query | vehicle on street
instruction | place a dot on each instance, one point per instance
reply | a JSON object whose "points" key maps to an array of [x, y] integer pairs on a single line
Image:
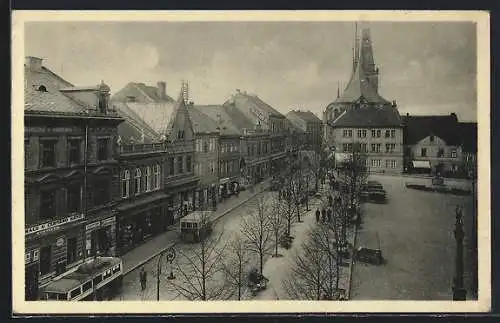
{"points": [[373, 191], [256, 281], [369, 252], [196, 226], [98, 279]]}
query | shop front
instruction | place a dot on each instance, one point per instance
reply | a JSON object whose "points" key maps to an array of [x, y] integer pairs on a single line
{"points": [[182, 197], [51, 249], [99, 237], [139, 222]]}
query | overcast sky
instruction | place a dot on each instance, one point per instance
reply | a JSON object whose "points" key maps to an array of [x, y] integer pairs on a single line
{"points": [[428, 68]]}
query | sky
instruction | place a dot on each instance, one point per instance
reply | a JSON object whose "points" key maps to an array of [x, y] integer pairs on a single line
{"points": [[427, 67]]}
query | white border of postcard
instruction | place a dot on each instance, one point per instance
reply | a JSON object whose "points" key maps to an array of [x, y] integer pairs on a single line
{"points": [[483, 118]]}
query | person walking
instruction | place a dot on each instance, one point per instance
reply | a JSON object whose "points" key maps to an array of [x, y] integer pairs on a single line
{"points": [[143, 276], [329, 214], [323, 216], [317, 215]]}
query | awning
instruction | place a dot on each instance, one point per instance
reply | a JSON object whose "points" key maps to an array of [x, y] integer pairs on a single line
{"points": [[421, 164]]}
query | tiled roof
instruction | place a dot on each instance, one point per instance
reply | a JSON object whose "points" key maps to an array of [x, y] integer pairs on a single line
{"points": [[468, 132], [155, 116], [307, 116], [151, 92], [369, 116], [201, 122], [215, 116], [445, 127], [134, 126], [52, 100]]}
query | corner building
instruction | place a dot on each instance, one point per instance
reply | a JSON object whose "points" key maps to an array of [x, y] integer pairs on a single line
{"points": [[360, 115]]}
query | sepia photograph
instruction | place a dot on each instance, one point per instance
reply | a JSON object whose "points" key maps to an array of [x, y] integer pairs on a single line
{"points": [[281, 162]]}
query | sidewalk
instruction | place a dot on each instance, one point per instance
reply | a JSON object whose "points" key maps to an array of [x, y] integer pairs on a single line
{"points": [[152, 248]]}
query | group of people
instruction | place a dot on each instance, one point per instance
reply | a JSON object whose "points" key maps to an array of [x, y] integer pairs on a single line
{"points": [[326, 213]]}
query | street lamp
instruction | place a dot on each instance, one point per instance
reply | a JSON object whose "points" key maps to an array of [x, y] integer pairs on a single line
{"points": [[459, 292], [170, 258]]}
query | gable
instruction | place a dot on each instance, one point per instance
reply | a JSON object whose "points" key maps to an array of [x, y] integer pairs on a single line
{"points": [[180, 122], [427, 141], [130, 90]]}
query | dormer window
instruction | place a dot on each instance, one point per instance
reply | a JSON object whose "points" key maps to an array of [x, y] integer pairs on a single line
{"points": [[42, 88]]}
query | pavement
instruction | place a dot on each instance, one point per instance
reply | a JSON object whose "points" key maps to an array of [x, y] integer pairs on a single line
{"points": [[415, 231], [228, 219]]}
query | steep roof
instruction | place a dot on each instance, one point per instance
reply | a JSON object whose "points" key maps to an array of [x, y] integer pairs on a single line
{"points": [[369, 116], [445, 127], [364, 77], [135, 128], [151, 92], [306, 116], [51, 100], [201, 122], [217, 116]]}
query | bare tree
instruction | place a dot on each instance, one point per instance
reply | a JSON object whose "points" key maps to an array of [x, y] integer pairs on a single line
{"points": [[255, 229], [200, 270], [314, 274], [288, 201], [235, 265], [277, 221]]}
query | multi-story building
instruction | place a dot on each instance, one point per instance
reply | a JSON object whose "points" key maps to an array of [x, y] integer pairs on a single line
{"points": [[229, 148], [263, 141], [311, 125], [437, 143], [206, 161], [71, 173], [157, 156], [360, 116]]}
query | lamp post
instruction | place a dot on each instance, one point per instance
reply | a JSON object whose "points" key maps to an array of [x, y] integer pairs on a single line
{"points": [[459, 292], [170, 258]]}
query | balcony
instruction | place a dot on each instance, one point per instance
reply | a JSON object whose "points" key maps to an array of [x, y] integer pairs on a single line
{"points": [[169, 147]]}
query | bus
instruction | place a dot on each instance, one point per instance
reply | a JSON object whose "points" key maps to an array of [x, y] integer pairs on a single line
{"points": [[98, 279]]}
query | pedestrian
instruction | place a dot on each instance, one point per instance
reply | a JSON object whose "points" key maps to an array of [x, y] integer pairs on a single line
{"points": [[329, 214], [143, 276], [317, 215], [323, 216]]}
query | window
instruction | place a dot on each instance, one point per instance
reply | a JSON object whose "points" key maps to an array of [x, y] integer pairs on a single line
{"points": [[344, 147], [389, 148], [102, 149], [431, 138], [180, 134], [74, 198], [48, 150], [393, 133], [360, 133], [47, 204], [374, 133], [125, 184], [102, 189], [373, 148], [440, 153], [75, 292], [148, 179], [364, 148], [453, 153], [188, 164], [171, 167], [249, 151], [375, 162], [157, 177], [137, 179], [347, 133], [205, 146], [379, 133], [71, 250], [45, 260], [87, 286], [423, 152], [393, 164], [180, 164], [387, 133], [74, 147]]}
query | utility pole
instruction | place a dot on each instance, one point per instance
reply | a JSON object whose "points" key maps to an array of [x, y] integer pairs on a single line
{"points": [[459, 292]]}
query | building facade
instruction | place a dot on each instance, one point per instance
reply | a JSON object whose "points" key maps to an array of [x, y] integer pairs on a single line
{"points": [[71, 173], [157, 180], [361, 116], [311, 126]]}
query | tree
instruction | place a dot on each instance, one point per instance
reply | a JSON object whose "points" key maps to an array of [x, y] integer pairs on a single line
{"points": [[235, 264], [201, 270], [277, 221], [255, 229], [288, 202]]}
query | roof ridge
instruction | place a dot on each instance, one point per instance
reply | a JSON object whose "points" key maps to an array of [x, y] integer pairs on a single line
{"points": [[139, 88]]}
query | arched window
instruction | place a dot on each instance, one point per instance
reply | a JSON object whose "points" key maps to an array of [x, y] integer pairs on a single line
{"points": [[148, 179], [137, 177], [125, 183], [157, 176]]}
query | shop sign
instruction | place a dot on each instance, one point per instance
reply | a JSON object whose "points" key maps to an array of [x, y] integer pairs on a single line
{"points": [[60, 242], [108, 221], [53, 225], [92, 226]]}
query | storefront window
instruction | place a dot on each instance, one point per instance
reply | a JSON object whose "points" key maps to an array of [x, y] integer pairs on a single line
{"points": [[71, 253], [45, 260]]}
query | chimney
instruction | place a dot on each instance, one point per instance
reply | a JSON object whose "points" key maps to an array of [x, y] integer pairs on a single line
{"points": [[161, 89], [33, 63]]}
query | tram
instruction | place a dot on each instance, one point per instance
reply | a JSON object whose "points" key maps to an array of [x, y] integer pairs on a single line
{"points": [[196, 226], [98, 279]]}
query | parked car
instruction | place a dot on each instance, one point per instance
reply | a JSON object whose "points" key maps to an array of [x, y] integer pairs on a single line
{"points": [[370, 256]]}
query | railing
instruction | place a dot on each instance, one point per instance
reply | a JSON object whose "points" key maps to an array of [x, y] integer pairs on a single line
{"points": [[156, 147]]}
